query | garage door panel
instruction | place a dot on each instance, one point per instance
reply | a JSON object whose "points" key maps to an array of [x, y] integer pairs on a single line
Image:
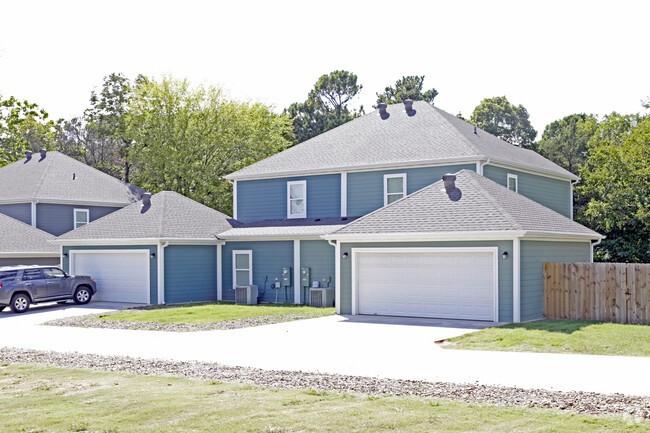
{"points": [[120, 276], [447, 284]]}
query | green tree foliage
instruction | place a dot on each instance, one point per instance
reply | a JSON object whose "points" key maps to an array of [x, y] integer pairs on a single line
{"points": [[501, 118], [565, 141], [326, 106], [185, 139], [23, 126], [616, 180], [409, 87]]}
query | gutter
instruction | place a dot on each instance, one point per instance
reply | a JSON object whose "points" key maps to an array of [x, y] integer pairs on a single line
{"points": [[591, 252]]}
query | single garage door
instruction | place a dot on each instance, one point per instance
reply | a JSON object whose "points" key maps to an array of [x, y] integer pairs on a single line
{"points": [[438, 283], [121, 275]]}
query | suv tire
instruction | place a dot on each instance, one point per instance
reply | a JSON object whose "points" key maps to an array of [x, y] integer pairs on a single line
{"points": [[20, 303], [82, 295], [2, 307]]}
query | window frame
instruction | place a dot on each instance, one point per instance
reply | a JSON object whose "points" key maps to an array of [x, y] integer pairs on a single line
{"points": [[235, 269], [289, 185], [394, 176], [516, 178], [75, 222]]}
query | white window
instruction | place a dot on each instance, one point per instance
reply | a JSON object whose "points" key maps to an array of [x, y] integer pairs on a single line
{"points": [[513, 182], [297, 199], [242, 268], [81, 217], [394, 187]]}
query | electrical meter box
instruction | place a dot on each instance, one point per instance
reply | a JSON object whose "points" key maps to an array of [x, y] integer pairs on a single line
{"points": [[305, 277], [286, 277]]}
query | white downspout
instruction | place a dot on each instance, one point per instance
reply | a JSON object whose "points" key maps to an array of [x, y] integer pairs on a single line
{"points": [[337, 274], [219, 273], [34, 203], [344, 194], [516, 280], [296, 271], [161, 271], [591, 251], [480, 166]]}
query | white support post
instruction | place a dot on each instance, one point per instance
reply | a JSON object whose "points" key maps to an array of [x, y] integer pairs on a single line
{"points": [[337, 277], [33, 214], [160, 254], [296, 271], [344, 195], [219, 274], [234, 199], [516, 280]]}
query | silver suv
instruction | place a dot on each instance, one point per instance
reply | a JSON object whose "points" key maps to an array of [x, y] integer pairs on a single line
{"points": [[21, 286]]}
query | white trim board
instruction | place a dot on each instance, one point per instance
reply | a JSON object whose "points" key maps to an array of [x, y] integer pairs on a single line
{"points": [[234, 267]]}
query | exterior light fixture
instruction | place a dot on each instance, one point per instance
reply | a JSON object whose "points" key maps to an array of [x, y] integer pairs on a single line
{"points": [[345, 255], [505, 255], [65, 254], [153, 255]]}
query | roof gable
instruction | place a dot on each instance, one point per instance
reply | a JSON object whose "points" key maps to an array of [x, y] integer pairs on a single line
{"points": [[18, 237], [57, 177], [169, 216], [485, 206], [428, 135]]}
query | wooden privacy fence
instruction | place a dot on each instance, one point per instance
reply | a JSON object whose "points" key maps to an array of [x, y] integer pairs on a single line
{"points": [[610, 292]]}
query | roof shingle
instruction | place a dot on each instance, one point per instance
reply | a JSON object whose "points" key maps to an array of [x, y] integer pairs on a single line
{"points": [[18, 237]]}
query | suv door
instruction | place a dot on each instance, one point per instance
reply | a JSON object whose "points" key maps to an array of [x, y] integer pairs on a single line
{"points": [[55, 282], [32, 280]]}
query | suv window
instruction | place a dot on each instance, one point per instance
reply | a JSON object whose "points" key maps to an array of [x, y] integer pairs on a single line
{"points": [[8, 276], [53, 273], [31, 274]]}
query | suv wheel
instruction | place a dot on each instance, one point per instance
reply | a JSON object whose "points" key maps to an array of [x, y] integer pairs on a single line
{"points": [[82, 295], [20, 303], [2, 307]]}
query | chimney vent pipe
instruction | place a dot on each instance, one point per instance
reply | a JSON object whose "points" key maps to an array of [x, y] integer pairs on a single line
{"points": [[382, 110], [146, 198], [408, 105], [28, 154], [43, 153]]}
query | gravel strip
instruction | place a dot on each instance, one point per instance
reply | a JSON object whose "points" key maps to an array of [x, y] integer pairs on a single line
{"points": [[92, 321], [581, 402]]}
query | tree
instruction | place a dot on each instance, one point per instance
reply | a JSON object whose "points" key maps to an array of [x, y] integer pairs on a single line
{"points": [[501, 118], [409, 87], [616, 180], [23, 126], [186, 139], [565, 141], [326, 106]]}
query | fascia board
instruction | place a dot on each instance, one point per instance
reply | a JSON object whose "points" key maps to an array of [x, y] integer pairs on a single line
{"points": [[273, 238], [70, 202], [29, 254], [144, 241], [461, 236]]}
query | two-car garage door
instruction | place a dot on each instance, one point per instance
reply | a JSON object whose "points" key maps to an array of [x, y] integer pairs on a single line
{"points": [[121, 275], [427, 282]]}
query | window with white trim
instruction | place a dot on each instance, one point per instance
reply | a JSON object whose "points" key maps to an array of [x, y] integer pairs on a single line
{"points": [[394, 187], [297, 199], [513, 182], [242, 268], [81, 217]]}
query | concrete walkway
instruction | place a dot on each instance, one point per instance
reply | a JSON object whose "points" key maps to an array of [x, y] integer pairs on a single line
{"points": [[359, 345]]}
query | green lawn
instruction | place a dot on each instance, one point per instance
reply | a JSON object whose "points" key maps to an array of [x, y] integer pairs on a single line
{"points": [[215, 312], [560, 336], [36, 398]]}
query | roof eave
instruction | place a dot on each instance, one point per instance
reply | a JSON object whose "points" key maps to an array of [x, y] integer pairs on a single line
{"points": [[10, 254], [137, 241], [459, 236]]}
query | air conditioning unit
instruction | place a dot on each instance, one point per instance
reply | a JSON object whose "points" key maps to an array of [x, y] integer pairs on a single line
{"points": [[246, 295], [321, 298]]}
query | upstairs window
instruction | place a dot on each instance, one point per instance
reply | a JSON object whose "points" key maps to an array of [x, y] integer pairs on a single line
{"points": [[81, 217], [513, 182], [394, 187], [297, 199]]}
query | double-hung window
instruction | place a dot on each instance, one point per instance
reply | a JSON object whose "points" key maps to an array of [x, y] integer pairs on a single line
{"points": [[242, 268], [513, 182], [394, 187], [81, 217], [297, 199]]}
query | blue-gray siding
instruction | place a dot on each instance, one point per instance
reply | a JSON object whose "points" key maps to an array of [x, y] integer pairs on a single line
{"points": [[366, 189], [59, 218], [533, 256], [268, 260], [20, 211], [552, 193], [190, 273], [267, 198], [318, 256], [153, 263], [504, 280]]}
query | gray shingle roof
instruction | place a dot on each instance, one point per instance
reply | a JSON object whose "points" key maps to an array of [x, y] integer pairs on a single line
{"points": [[431, 135], [18, 237], [485, 206], [286, 228], [170, 216], [59, 177]]}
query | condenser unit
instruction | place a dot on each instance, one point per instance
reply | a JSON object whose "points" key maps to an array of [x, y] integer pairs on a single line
{"points": [[246, 295], [322, 298]]}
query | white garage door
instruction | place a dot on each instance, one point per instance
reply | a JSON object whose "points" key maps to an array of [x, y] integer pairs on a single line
{"points": [[121, 275], [439, 283]]}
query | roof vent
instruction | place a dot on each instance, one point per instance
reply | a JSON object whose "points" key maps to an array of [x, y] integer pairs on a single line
{"points": [[382, 110], [475, 131], [408, 107], [28, 155], [146, 199], [453, 193], [43, 153]]}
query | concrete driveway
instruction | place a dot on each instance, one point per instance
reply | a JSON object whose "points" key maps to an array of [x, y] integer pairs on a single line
{"points": [[356, 345]]}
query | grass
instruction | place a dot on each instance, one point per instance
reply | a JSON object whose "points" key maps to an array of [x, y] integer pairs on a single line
{"points": [[36, 398], [560, 336], [215, 312]]}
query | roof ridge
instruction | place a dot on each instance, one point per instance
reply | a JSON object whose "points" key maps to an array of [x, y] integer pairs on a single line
{"points": [[462, 136], [163, 206], [484, 191], [45, 172]]}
